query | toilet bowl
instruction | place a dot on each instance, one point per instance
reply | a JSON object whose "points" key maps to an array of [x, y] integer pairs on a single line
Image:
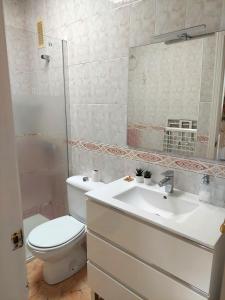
{"points": [[61, 242]]}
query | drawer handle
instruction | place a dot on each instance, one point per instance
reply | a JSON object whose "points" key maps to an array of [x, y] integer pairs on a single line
{"points": [[222, 228]]}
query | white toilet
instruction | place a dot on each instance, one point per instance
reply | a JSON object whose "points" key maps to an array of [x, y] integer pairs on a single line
{"points": [[61, 243]]}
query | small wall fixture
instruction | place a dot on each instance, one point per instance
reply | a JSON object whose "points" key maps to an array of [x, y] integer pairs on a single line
{"points": [[46, 57], [181, 35], [40, 34]]}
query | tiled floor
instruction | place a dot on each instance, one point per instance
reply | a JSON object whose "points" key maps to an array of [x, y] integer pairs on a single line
{"points": [[74, 288]]}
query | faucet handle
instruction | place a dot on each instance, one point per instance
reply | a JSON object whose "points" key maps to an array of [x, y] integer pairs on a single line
{"points": [[168, 173], [205, 179]]}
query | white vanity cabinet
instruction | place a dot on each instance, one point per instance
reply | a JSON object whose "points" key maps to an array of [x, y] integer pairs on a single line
{"points": [[138, 260]]}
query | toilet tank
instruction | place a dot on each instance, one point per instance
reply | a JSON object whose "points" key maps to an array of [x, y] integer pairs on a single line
{"points": [[76, 189]]}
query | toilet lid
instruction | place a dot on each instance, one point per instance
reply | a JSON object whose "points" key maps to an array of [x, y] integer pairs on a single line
{"points": [[55, 232]]}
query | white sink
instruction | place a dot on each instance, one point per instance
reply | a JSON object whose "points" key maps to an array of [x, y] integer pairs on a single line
{"points": [[164, 205]]}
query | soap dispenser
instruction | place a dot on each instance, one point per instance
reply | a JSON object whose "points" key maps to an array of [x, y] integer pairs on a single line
{"points": [[204, 193]]}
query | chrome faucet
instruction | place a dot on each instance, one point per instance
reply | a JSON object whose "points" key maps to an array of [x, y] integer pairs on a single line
{"points": [[205, 179], [168, 181]]}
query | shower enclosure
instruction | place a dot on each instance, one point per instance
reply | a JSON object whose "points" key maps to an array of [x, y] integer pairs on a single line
{"points": [[37, 78]]}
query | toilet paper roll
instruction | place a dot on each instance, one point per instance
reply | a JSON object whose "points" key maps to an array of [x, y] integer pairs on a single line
{"points": [[95, 176]]}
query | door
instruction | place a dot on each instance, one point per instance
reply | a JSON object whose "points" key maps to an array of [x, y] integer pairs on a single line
{"points": [[12, 262]]}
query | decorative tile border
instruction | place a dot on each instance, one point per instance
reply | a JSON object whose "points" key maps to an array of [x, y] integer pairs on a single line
{"points": [[203, 139], [192, 165]]}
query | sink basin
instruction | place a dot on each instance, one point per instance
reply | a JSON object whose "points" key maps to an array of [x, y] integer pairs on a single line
{"points": [[167, 206]]}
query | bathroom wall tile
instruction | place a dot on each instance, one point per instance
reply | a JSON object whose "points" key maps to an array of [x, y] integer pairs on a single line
{"points": [[188, 182], [35, 11], [114, 168], [201, 150], [35, 189], [56, 82], [99, 47], [118, 125], [152, 139], [204, 12], [53, 15], [60, 33], [47, 210], [14, 11], [99, 82], [87, 8], [80, 83], [109, 35], [142, 22], [208, 68], [98, 122], [118, 32], [20, 83], [109, 81], [217, 191], [99, 7], [119, 4], [42, 83], [204, 118], [59, 208], [82, 9], [81, 119], [66, 10], [118, 81], [20, 39], [29, 147], [75, 169], [79, 43], [222, 21], [87, 162], [59, 190], [170, 15]]}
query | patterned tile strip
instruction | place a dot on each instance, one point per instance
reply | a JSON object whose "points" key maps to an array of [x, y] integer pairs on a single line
{"points": [[191, 165]]}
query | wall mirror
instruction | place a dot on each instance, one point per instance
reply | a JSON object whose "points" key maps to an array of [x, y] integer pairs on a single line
{"points": [[175, 97]]}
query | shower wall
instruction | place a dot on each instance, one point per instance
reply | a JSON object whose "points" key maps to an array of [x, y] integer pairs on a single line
{"points": [[40, 118]]}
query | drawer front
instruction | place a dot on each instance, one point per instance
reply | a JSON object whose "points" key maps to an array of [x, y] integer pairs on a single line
{"points": [[107, 287], [184, 260], [136, 275]]}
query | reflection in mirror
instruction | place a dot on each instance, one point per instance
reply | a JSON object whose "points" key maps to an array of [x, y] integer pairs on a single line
{"points": [[170, 97]]}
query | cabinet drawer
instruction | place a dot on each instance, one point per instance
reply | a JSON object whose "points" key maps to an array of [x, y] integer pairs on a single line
{"points": [[136, 275], [184, 260], [107, 287]]}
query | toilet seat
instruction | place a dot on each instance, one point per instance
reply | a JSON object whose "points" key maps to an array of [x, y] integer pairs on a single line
{"points": [[55, 233]]}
